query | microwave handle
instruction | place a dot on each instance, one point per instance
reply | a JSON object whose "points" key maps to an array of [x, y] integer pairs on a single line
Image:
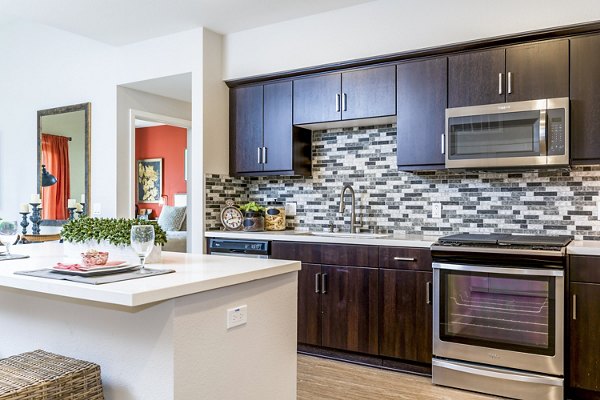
{"points": [[543, 124]]}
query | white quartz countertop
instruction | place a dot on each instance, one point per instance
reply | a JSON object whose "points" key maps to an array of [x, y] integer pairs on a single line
{"points": [[303, 236], [584, 248], [194, 273]]}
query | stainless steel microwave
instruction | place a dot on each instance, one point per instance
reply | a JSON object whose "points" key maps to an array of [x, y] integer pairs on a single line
{"points": [[531, 133]]}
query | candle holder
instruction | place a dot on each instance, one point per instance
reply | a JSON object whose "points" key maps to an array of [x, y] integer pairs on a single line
{"points": [[24, 222], [82, 209], [71, 213], [79, 213], [35, 218]]}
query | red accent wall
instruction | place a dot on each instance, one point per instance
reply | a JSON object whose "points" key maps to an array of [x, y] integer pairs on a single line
{"points": [[169, 143]]}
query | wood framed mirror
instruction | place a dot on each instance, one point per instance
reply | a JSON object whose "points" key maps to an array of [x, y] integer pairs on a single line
{"points": [[64, 149]]}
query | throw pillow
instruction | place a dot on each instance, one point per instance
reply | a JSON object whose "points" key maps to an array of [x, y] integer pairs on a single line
{"points": [[170, 218]]}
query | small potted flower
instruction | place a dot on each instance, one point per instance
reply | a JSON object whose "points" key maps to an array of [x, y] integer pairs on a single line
{"points": [[254, 217]]}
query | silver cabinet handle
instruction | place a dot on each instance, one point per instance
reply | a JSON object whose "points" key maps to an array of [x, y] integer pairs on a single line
{"points": [[509, 76], [428, 295], [324, 283], [258, 155], [500, 83], [264, 155], [574, 306], [317, 280], [344, 102], [443, 143], [337, 102], [405, 259]]}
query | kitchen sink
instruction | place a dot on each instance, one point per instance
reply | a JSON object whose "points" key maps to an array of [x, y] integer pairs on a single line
{"points": [[366, 235]]}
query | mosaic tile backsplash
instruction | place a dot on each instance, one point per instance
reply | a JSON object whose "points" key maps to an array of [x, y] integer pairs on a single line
{"points": [[534, 202]]}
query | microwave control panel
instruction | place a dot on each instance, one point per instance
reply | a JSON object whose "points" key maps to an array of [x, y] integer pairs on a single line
{"points": [[556, 132]]}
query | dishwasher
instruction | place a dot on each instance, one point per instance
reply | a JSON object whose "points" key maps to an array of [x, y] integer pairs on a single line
{"points": [[240, 248]]}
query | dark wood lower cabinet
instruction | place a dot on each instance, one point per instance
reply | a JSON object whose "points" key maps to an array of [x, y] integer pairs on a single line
{"points": [[585, 338], [406, 315], [309, 305], [349, 309]]}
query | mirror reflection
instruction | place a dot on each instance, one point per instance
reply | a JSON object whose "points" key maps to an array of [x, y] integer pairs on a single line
{"points": [[63, 160]]}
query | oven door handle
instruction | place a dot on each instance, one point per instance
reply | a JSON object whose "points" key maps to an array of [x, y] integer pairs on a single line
{"points": [[512, 376], [499, 270]]}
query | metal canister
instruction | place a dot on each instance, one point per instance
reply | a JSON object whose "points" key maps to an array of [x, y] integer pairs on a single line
{"points": [[275, 216]]}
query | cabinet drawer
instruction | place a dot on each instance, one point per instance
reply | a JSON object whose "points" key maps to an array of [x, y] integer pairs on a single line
{"points": [[405, 258], [584, 269], [305, 252], [350, 255]]}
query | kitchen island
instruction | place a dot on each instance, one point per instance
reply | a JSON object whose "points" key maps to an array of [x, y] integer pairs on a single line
{"points": [[162, 337]]}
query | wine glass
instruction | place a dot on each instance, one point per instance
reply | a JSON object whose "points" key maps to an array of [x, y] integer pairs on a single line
{"points": [[142, 242], [8, 234]]}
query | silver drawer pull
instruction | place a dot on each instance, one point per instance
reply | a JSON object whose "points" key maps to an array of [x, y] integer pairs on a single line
{"points": [[574, 306], [317, 281], [405, 259]]}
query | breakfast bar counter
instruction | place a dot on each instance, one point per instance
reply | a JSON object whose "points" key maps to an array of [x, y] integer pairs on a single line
{"points": [[162, 337]]}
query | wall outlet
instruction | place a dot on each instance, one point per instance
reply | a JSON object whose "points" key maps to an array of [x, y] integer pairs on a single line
{"points": [[237, 316], [436, 210], [290, 209], [97, 209]]}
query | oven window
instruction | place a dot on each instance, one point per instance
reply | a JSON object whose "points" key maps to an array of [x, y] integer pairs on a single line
{"points": [[498, 311], [513, 134]]}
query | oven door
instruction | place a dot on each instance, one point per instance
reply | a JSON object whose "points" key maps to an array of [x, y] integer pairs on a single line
{"points": [[502, 316]]}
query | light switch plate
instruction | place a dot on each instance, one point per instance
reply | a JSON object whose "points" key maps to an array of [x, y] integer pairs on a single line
{"points": [[97, 209], [436, 210], [290, 209]]}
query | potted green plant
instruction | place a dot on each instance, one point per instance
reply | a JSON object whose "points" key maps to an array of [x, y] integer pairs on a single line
{"points": [[108, 234], [254, 217]]}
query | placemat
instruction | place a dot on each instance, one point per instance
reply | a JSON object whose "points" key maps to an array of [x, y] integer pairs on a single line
{"points": [[4, 257], [94, 280]]}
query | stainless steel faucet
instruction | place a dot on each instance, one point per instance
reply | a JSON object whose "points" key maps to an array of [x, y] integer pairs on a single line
{"points": [[343, 205]]}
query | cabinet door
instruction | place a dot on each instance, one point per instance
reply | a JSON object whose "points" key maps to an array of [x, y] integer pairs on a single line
{"points": [[350, 309], [369, 93], [246, 128], [537, 70], [278, 126], [422, 93], [473, 78], [309, 304], [585, 100], [317, 99], [406, 315], [585, 341]]}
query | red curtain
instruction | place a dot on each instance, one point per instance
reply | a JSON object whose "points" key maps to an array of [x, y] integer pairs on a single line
{"points": [[55, 156]]}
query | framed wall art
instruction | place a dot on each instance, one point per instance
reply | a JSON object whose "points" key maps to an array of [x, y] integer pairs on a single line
{"points": [[149, 180]]}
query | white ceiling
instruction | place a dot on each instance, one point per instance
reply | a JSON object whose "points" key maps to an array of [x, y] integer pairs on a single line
{"points": [[120, 22]]}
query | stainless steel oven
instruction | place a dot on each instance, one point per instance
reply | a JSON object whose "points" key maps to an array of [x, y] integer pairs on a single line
{"points": [[521, 134], [498, 319]]}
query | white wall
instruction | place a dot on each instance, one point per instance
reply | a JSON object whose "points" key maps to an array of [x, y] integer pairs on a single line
{"points": [[389, 26]]}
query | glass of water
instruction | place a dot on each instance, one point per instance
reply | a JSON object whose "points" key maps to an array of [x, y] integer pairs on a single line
{"points": [[142, 242], [8, 234]]}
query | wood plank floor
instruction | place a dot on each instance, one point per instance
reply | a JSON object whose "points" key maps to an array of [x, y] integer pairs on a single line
{"points": [[322, 379]]}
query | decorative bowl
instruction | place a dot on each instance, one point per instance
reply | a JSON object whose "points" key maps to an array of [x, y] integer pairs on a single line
{"points": [[93, 257]]}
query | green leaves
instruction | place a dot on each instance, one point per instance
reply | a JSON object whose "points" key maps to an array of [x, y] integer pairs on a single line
{"points": [[252, 206], [116, 231]]}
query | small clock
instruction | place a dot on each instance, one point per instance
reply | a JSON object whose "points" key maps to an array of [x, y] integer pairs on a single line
{"points": [[232, 217]]}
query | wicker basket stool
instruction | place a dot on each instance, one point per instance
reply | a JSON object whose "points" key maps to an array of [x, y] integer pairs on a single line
{"points": [[40, 375]]}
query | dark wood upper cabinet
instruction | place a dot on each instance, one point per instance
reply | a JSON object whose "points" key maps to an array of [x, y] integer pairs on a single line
{"points": [[317, 99], [350, 309], [368, 93], [246, 132], [263, 140], [531, 71], [585, 100], [421, 94], [474, 78], [362, 93], [538, 70], [406, 315]]}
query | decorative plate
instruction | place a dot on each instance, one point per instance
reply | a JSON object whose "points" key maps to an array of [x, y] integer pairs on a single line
{"points": [[232, 217]]}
